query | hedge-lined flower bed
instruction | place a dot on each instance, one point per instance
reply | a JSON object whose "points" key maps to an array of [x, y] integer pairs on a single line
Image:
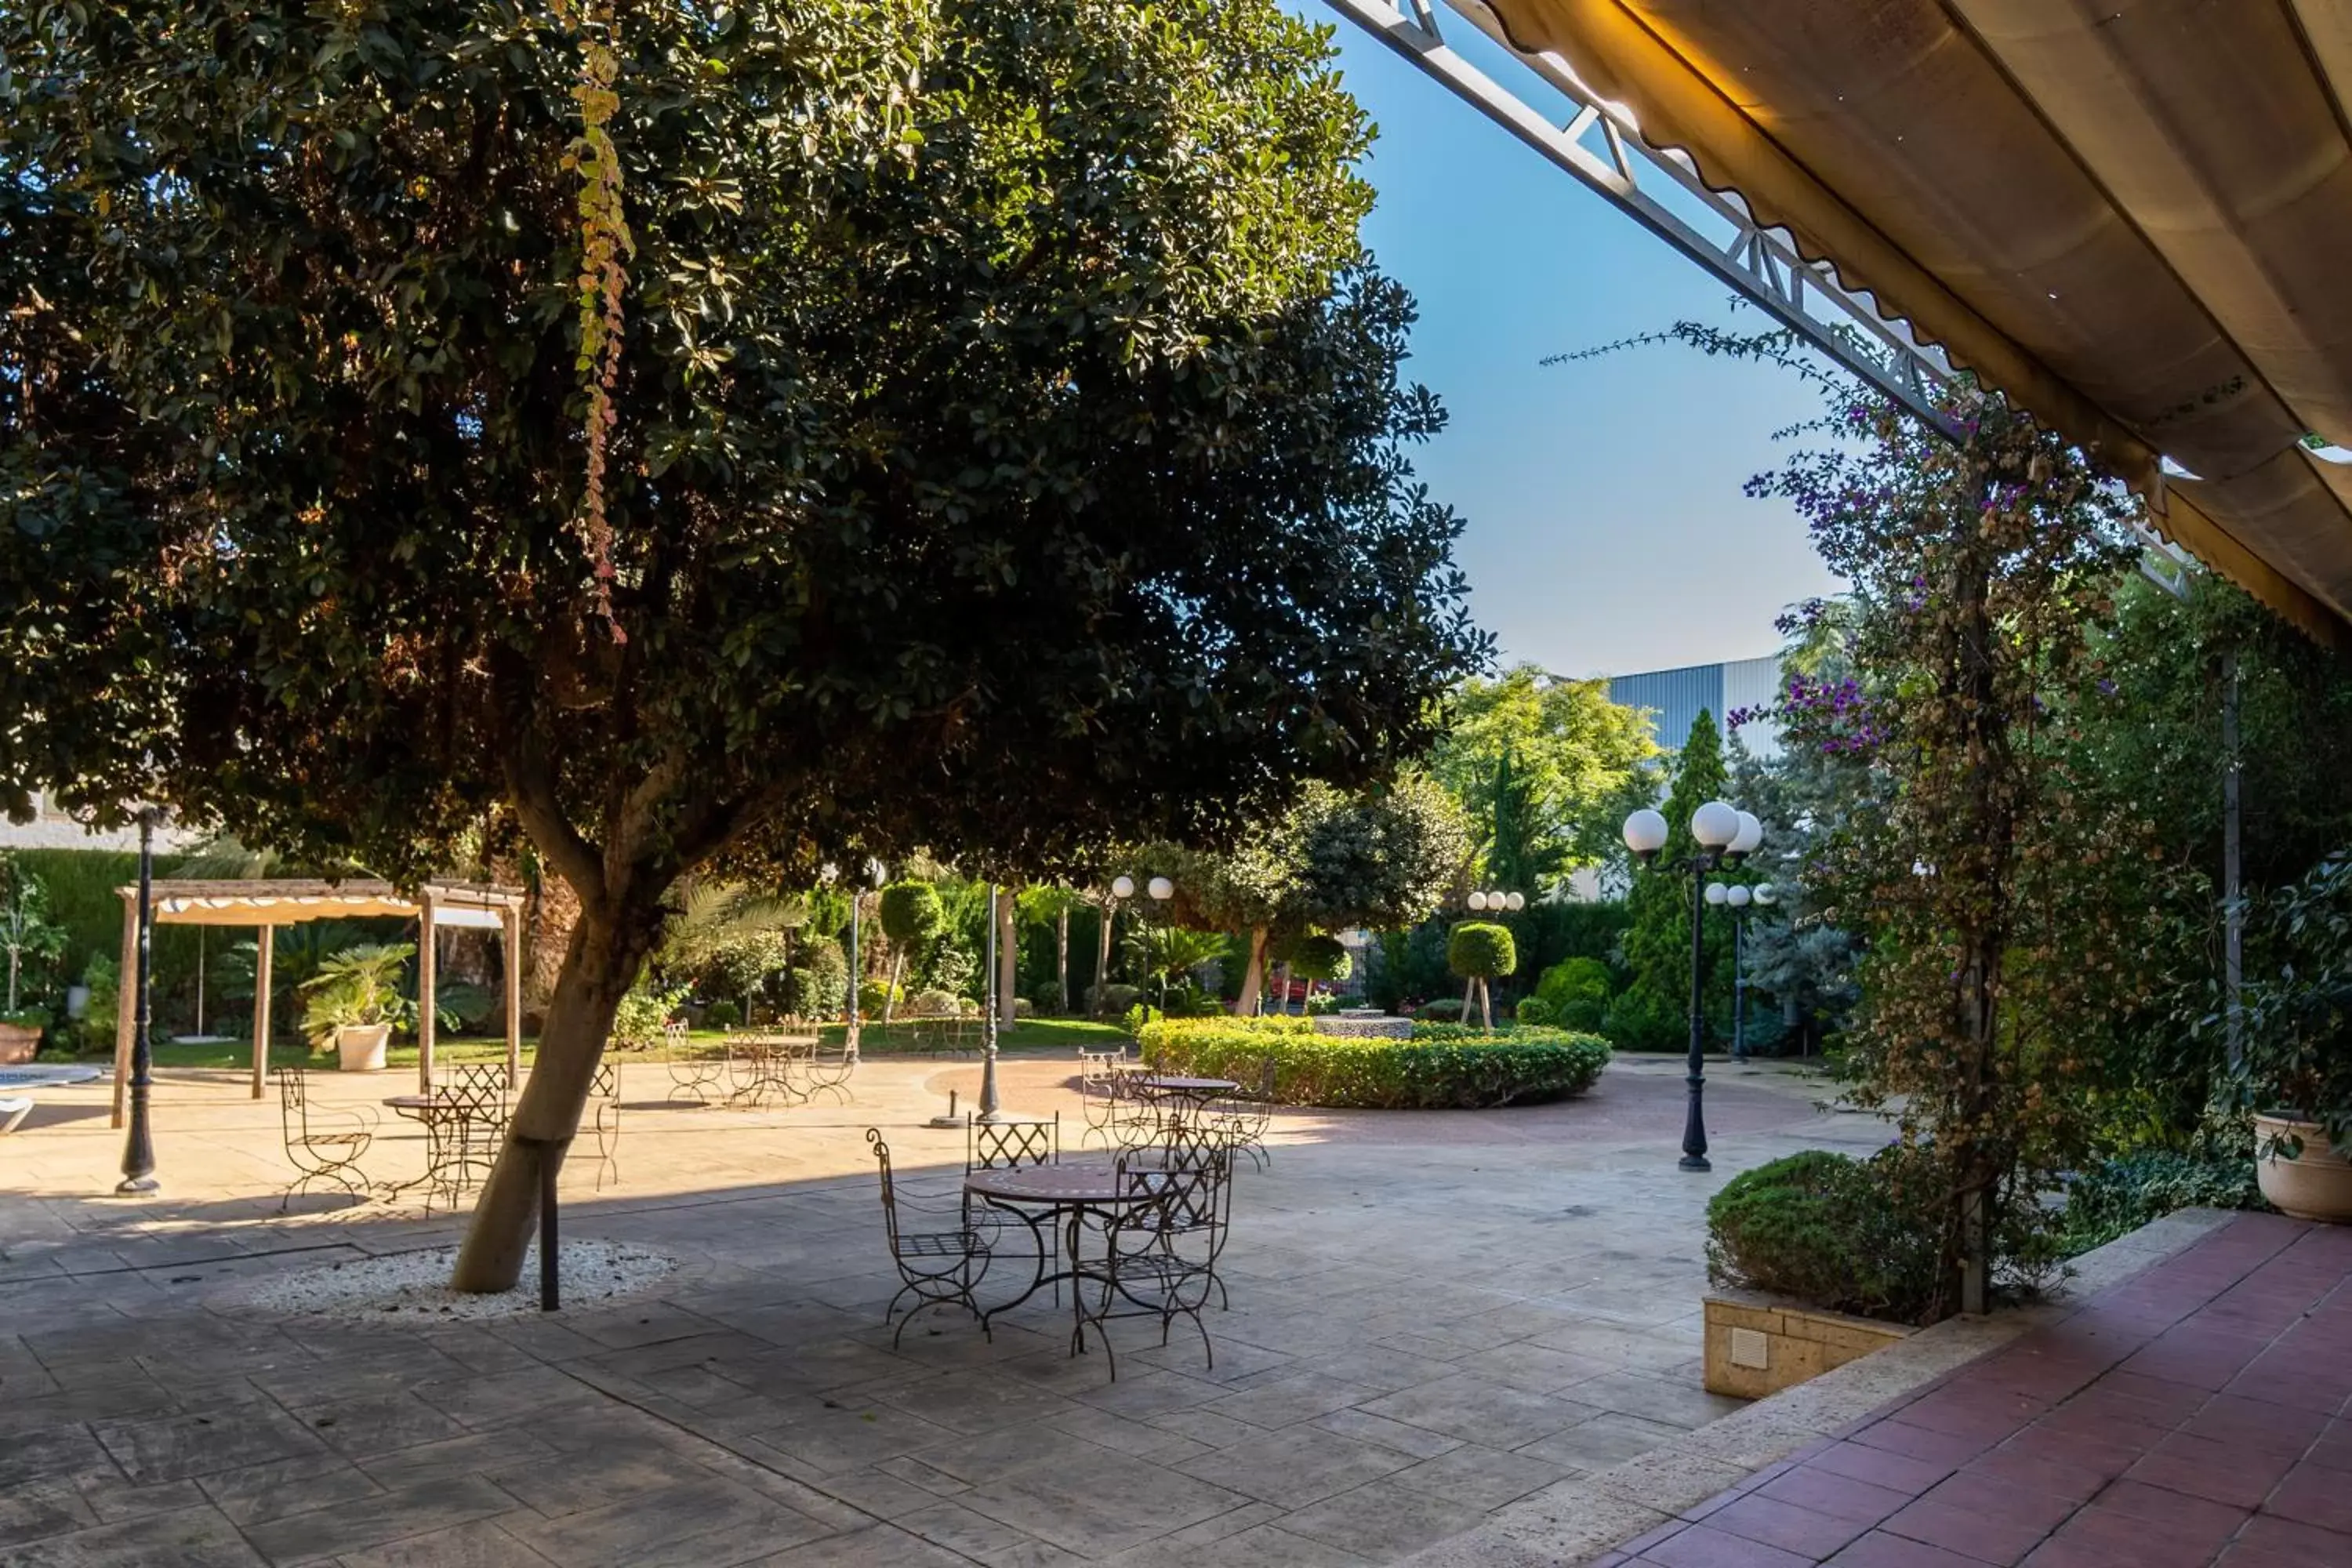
{"points": [[1467, 1072]]}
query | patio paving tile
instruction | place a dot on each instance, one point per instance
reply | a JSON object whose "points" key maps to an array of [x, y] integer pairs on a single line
{"points": [[1293, 1468], [185, 1538]]}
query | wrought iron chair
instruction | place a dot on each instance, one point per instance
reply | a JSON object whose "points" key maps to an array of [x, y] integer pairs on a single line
{"points": [[325, 1143], [604, 1106], [937, 1267], [478, 1100], [1161, 1249], [1017, 1141], [692, 1077], [1240, 1120], [1099, 1074], [829, 1069]]}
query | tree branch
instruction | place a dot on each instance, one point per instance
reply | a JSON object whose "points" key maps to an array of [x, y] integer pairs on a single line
{"points": [[531, 784]]}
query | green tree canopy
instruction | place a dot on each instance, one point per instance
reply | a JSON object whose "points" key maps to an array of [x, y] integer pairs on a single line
{"points": [[983, 372], [1540, 762]]}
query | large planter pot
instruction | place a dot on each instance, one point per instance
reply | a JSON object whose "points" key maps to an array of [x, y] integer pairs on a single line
{"points": [[18, 1042], [360, 1049], [2316, 1186]]}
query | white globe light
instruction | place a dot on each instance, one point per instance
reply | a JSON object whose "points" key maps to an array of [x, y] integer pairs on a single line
{"points": [[1751, 833], [1476, 901], [1738, 895], [829, 871], [1516, 902], [1714, 826], [1645, 832], [1717, 893], [1161, 889], [1122, 887], [877, 872], [1765, 894]]}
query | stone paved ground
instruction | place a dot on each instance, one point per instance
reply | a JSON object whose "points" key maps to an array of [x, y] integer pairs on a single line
{"points": [[1434, 1315], [2199, 1413]]}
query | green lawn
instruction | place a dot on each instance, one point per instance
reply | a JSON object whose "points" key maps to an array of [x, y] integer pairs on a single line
{"points": [[1063, 1035]]}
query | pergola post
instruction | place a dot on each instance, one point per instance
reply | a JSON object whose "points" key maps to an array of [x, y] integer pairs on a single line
{"points": [[425, 1010], [264, 948], [126, 1001], [510, 926]]}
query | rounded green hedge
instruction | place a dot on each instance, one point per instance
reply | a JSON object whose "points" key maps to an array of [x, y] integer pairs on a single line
{"points": [[1462, 1070], [1481, 950]]}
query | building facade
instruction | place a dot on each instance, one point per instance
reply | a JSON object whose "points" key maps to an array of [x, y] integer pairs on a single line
{"points": [[1675, 698]]}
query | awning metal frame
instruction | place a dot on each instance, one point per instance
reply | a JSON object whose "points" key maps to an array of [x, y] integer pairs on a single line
{"points": [[1601, 148]]}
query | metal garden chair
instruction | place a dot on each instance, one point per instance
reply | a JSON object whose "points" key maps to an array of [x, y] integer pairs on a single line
{"points": [[938, 1267], [325, 1143]]}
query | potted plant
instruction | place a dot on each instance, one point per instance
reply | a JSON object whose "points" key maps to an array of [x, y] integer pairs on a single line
{"points": [[354, 1001], [2293, 1070], [29, 937]]}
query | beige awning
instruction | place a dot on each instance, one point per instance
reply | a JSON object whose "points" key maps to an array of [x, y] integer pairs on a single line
{"points": [[291, 902], [2135, 217]]}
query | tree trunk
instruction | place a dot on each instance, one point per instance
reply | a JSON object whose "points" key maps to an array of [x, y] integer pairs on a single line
{"points": [[890, 991], [1008, 958], [1062, 959], [1486, 1006], [599, 966], [1469, 998], [1253, 976]]}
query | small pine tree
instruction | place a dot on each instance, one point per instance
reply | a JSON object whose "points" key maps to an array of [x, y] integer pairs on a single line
{"points": [[1654, 1012]]}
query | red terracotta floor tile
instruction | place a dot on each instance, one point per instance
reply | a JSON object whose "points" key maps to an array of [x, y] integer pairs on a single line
{"points": [[2314, 1494], [2313, 1543], [2029, 1472], [1704, 1546], [1811, 1534], [1982, 1494], [1840, 1497], [2000, 1537], [2257, 1425], [2189, 1518], [1880, 1550], [1883, 1468], [1918, 1443], [2220, 1473]]}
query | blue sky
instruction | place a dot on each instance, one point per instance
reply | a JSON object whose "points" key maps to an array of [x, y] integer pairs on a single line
{"points": [[1607, 530]]}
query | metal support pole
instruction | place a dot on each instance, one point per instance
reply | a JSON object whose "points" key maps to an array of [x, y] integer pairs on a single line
{"points": [[991, 1109], [1695, 1120], [1740, 986], [2233, 907], [551, 1281], [138, 1147]]}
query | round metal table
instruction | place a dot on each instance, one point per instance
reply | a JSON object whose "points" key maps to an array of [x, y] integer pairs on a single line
{"points": [[1050, 1197]]}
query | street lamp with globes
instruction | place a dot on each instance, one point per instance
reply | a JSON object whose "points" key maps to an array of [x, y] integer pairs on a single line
{"points": [[1724, 836], [1738, 897]]}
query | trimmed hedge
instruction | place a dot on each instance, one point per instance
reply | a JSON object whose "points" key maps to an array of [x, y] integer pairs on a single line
{"points": [[1837, 1233], [1464, 1072]]}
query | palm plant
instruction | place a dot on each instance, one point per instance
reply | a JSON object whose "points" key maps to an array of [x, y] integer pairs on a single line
{"points": [[358, 988]]}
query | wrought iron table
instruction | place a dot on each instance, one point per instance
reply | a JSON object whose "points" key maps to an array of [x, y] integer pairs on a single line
{"points": [[1044, 1196], [1198, 1091]]}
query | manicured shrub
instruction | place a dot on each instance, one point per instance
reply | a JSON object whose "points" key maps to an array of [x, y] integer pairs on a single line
{"points": [[1447, 1009], [722, 1014], [1837, 1233], [1323, 958], [1112, 998], [1588, 1015], [1023, 1008], [1521, 1066], [1575, 980], [872, 994], [1532, 1011], [1481, 950], [2119, 1196], [935, 1004]]}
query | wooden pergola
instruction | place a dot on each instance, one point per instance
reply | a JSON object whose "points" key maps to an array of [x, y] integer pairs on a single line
{"points": [[267, 905]]}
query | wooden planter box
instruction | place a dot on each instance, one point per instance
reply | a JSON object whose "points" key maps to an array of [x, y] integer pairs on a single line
{"points": [[1758, 1344]]}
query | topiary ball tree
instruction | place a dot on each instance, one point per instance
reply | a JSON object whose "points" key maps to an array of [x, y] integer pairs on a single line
{"points": [[1478, 950], [912, 917], [1323, 958]]}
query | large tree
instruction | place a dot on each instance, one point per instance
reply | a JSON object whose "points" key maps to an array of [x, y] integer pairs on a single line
{"points": [[982, 373], [1540, 764]]}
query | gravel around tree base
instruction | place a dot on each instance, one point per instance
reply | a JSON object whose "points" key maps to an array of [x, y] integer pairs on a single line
{"points": [[404, 1286]]}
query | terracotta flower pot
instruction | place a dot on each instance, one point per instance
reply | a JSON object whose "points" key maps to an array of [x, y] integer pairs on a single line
{"points": [[18, 1042], [2316, 1185], [360, 1049]]}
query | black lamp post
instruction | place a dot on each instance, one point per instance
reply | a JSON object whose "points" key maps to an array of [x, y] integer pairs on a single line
{"points": [[875, 875], [1739, 898], [1724, 836], [138, 1144]]}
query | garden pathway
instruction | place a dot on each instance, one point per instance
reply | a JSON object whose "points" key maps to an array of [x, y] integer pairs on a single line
{"points": [[1434, 1315], [2199, 1413]]}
